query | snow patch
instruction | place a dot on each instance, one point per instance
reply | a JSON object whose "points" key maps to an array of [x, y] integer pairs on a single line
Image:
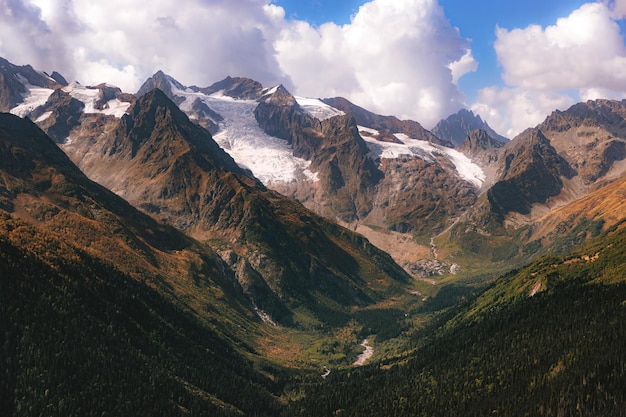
{"points": [[317, 108], [33, 98], [466, 169], [372, 132], [269, 92], [115, 108], [43, 117], [89, 96], [311, 175]]}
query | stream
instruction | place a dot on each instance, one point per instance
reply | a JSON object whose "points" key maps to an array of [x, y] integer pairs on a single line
{"points": [[367, 353]]}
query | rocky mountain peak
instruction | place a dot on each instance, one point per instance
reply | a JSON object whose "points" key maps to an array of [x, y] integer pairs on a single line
{"points": [[591, 136], [64, 114], [155, 122], [279, 96], [59, 78], [607, 114], [236, 87], [164, 83], [457, 126]]}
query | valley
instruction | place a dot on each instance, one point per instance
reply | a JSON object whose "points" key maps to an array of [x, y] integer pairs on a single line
{"points": [[238, 250]]}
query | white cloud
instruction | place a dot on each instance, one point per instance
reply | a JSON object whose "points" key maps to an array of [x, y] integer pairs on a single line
{"points": [[464, 65], [199, 42], [24, 35], [395, 57], [583, 50], [510, 111], [596, 93], [580, 57]]}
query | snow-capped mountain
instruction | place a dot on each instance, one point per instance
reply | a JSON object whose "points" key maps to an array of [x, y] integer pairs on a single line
{"points": [[376, 174], [370, 176], [269, 158]]}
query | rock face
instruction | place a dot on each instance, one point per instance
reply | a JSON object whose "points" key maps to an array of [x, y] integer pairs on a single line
{"points": [[65, 114], [347, 177], [457, 126], [419, 196], [279, 114], [281, 253], [477, 142], [479, 146], [59, 78], [385, 124], [531, 172], [591, 136]]}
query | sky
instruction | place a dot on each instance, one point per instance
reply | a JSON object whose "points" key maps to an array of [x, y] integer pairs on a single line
{"points": [[513, 63]]}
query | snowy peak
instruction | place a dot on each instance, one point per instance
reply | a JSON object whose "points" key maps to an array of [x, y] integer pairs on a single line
{"points": [[279, 96], [25, 74], [23, 86], [232, 122], [103, 98], [37, 95], [317, 109]]}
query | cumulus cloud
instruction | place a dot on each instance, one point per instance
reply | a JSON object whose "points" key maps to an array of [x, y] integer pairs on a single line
{"points": [[618, 8], [580, 57], [394, 57], [24, 34], [464, 65], [582, 50], [510, 111], [397, 57], [124, 42]]}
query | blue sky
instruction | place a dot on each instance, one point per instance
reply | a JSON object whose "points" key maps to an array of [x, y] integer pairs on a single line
{"points": [[475, 20], [512, 62]]}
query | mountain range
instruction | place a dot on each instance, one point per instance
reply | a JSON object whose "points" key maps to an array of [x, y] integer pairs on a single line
{"points": [[273, 233]]}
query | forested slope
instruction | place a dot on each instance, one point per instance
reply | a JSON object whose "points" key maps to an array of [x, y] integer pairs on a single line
{"points": [[80, 337], [547, 340]]}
